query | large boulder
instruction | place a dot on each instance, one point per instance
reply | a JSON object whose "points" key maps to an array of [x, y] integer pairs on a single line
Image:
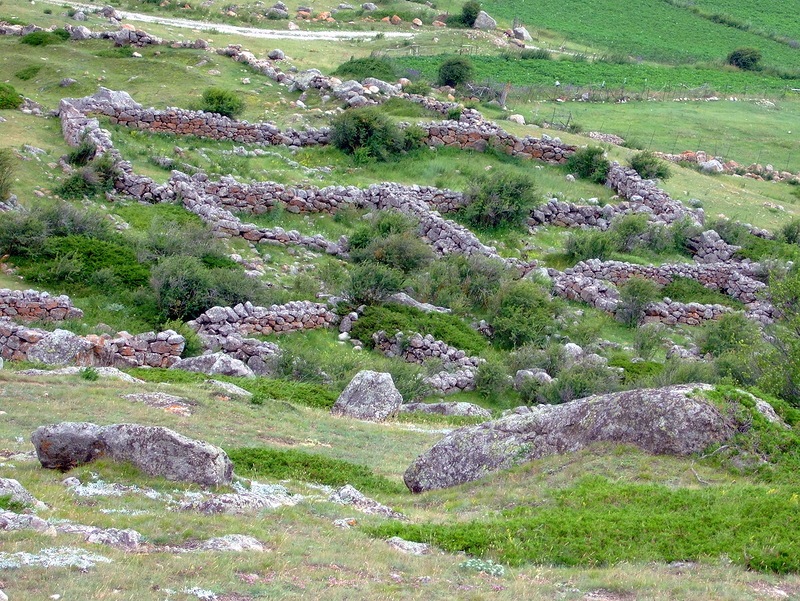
{"points": [[484, 21], [155, 450], [215, 364], [671, 420], [60, 347], [370, 395]]}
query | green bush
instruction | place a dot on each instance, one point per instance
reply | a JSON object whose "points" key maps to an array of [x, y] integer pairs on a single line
{"points": [[367, 134], [535, 54], [405, 252], [455, 71], [193, 345], [458, 281], [420, 87], [577, 382], [589, 244], [9, 97], [636, 372], [371, 283], [222, 101], [635, 294], [687, 290], [369, 66], [790, 233], [589, 163], [629, 230], [649, 166], [469, 12], [392, 318], [81, 154], [8, 165], [498, 200], [647, 339], [95, 177], [45, 38], [28, 72], [308, 467], [748, 59], [523, 314], [492, 379]]}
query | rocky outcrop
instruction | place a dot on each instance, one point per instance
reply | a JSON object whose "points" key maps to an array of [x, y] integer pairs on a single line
{"points": [[675, 420], [370, 396], [60, 347], [35, 305], [154, 450]]}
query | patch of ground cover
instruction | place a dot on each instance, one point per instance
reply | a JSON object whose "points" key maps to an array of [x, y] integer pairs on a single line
{"points": [[667, 34], [633, 78], [747, 132], [761, 17]]}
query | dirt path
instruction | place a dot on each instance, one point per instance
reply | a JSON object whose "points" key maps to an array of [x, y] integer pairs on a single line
{"points": [[252, 32]]}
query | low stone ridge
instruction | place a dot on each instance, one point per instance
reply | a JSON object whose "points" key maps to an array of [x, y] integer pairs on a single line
{"points": [[674, 420], [154, 450], [103, 372], [460, 409], [215, 364], [35, 305], [21, 343], [370, 395]]}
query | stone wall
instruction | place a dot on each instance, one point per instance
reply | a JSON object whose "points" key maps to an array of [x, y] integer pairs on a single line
{"points": [[35, 305], [123, 350], [258, 355], [277, 319]]}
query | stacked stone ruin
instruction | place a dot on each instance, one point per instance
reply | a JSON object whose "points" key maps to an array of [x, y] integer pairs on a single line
{"points": [[32, 305], [247, 318], [162, 349], [459, 369]]}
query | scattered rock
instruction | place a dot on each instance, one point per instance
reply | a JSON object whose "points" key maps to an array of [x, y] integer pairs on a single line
{"points": [[370, 395], [154, 450], [18, 494], [520, 33], [276, 55], [349, 495], [671, 420], [64, 557], [67, 81], [160, 400], [484, 21], [103, 372], [215, 364], [228, 389], [236, 543], [409, 547], [369, 6]]}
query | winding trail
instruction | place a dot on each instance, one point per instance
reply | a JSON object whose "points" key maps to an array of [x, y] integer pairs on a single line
{"points": [[251, 32]]}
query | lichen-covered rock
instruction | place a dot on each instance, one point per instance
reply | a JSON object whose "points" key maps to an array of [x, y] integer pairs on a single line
{"points": [[59, 348], [11, 488], [154, 450], [215, 364], [671, 420], [484, 21], [370, 395]]}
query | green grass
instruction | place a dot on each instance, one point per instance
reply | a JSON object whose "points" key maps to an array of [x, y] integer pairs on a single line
{"points": [[308, 467], [687, 290], [603, 78], [759, 16]]}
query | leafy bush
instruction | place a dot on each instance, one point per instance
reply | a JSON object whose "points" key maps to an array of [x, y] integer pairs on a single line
{"points": [[371, 283], [492, 379], [392, 318], [390, 239], [523, 314], [8, 165], [95, 177], [420, 87], [45, 38], [193, 346], [28, 72], [578, 381], [455, 71], [308, 467], [368, 134], [745, 58], [687, 290], [628, 231], [458, 281], [222, 101], [9, 97], [789, 233], [370, 66], [635, 294], [81, 154], [589, 163], [589, 244], [636, 372], [503, 199], [649, 166], [469, 12], [647, 340]]}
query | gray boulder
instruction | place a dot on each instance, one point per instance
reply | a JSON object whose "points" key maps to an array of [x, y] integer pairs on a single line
{"points": [[67, 81], [520, 33], [277, 54], [457, 409], [156, 451], [79, 16], [370, 395], [712, 166], [79, 32], [59, 348], [484, 21], [369, 6], [215, 364], [11, 488], [671, 420]]}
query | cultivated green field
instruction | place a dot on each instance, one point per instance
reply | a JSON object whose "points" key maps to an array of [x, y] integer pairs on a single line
{"points": [[758, 16]]}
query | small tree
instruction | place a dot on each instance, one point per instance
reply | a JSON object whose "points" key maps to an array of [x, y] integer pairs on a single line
{"points": [[371, 283], [523, 315], [589, 163], [469, 12], [455, 71], [501, 199], [745, 58], [635, 295], [367, 133], [224, 102], [649, 166]]}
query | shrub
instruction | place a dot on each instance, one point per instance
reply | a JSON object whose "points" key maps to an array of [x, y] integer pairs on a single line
{"points": [[404, 251], [635, 294], [8, 166], [455, 71], [371, 283], [28, 72], [687, 290], [370, 66], [589, 244], [45, 38], [469, 12], [456, 280], [523, 314], [182, 287], [789, 233], [81, 154], [492, 379], [420, 87], [308, 467], [649, 166], [647, 340], [9, 97], [224, 102], [745, 58], [499, 200], [577, 382], [589, 163], [628, 230], [367, 133]]}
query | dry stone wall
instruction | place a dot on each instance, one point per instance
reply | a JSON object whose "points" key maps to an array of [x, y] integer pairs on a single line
{"points": [[34, 305], [152, 349], [249, 319]]}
